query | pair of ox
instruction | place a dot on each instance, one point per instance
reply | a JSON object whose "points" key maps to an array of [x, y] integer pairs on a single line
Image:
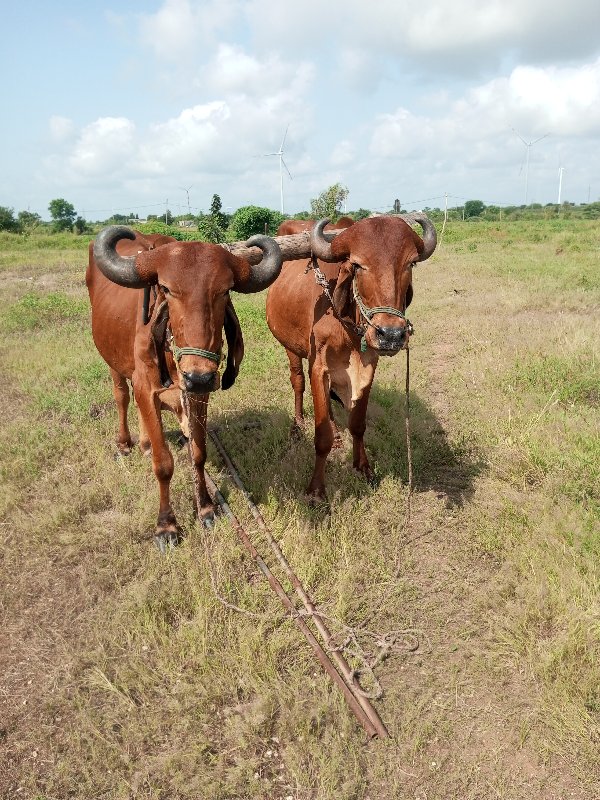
{"points": [[167, 340], [341, 331], [343, 328]]}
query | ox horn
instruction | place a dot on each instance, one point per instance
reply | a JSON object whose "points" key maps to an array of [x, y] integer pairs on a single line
{"points": [[319, 244], [264, 273], [429, 235], [119, 269]]}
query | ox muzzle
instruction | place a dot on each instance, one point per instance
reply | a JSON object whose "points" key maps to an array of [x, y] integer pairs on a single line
{"points": [[390, 340], [196, 381], [200, 382]]}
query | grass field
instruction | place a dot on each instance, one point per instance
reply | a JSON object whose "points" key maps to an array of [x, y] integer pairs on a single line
{"points": [[122, 674]]}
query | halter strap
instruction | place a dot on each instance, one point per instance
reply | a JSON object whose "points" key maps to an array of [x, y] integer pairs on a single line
{"points": [[178, 352]]}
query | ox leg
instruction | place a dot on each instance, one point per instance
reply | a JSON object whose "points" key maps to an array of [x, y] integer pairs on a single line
{"points": [[145, 445], [337, 436], [198, 407], [167, 530], [319, 384], [298, 385], [121, 395], [357, 423]]}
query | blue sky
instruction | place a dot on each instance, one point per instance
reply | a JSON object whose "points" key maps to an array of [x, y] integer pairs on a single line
{"points": [[121, 106]]}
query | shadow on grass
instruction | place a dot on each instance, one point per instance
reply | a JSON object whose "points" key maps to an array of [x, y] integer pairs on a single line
{"points": [[440, 463], [272, 462]]}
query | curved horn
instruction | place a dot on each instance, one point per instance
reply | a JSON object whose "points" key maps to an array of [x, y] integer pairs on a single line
{"points": [[119, 269], [320, 246], [429, 235], [264, 273]]}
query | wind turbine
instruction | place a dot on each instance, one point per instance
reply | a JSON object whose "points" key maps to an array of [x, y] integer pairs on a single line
{"points": [[281, 165], [187, 191], [528, 145], [560, 177]]}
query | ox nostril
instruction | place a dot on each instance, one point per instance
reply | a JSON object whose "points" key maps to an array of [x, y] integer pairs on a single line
{"points": [[198, 381], [393, 334]]}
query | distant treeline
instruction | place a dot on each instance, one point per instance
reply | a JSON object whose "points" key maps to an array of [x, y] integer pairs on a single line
{"points": [[218, 225]]}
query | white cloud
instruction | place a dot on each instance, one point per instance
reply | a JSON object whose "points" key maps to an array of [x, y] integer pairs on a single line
{"points": [[343, 153], [562, 102], [103, 147], [257, 100], [180, 28], [233, 71], [184, 142], [465, 35], [61, 128]]}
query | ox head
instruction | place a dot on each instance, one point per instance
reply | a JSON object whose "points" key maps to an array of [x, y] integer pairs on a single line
{"points": [[374, 285], [196, 278]]}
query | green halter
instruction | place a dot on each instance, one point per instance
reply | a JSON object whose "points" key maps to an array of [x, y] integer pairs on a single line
{"points": [[178, 352]]}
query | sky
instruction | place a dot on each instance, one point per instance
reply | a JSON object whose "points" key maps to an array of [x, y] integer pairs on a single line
{"points": [[127, 107]]}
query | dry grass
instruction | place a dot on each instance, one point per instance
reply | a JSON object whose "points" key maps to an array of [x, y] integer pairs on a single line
{"points": [[123, 676]]}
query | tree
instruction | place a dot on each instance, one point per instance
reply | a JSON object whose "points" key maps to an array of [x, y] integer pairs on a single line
{"points": [[81, 226], [474, 208], [248, 220], [362, 213], [329, 203], [29, 221], [119, 219], [7, 220], [212, 226], [63, 214]]}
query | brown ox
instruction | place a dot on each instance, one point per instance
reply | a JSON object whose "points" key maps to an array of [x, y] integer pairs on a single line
{"points": [[292, 226], [177, 352], [371, 287]]}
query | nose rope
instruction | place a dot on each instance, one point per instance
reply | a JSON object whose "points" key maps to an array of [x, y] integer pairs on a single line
{"points": [[369, 313], [178, 352]]}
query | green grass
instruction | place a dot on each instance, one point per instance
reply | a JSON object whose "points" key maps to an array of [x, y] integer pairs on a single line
{"points": [[571, 379], [128, 677], [35, 311]]}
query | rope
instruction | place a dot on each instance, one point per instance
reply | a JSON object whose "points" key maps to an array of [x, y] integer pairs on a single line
{"points": [[178, 352]]}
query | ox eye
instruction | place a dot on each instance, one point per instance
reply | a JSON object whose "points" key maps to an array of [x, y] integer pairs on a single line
{"points": [[165, 289], [356, 265]]}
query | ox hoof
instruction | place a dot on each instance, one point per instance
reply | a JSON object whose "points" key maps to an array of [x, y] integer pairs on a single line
{"points": [[297, 429], [316, 499], [208, 520], [367, 474], [167, 541]]}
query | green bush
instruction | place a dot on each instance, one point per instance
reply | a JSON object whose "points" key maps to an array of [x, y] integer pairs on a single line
{"points": [[156, 226], [250, 220]]}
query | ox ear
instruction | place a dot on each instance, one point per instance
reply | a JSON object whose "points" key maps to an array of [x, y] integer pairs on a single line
{"points": [[235, 346], [342, 295], [148, 262]]}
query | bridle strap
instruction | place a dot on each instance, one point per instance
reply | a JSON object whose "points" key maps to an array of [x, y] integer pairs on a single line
{"points": [[178, 352]]}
